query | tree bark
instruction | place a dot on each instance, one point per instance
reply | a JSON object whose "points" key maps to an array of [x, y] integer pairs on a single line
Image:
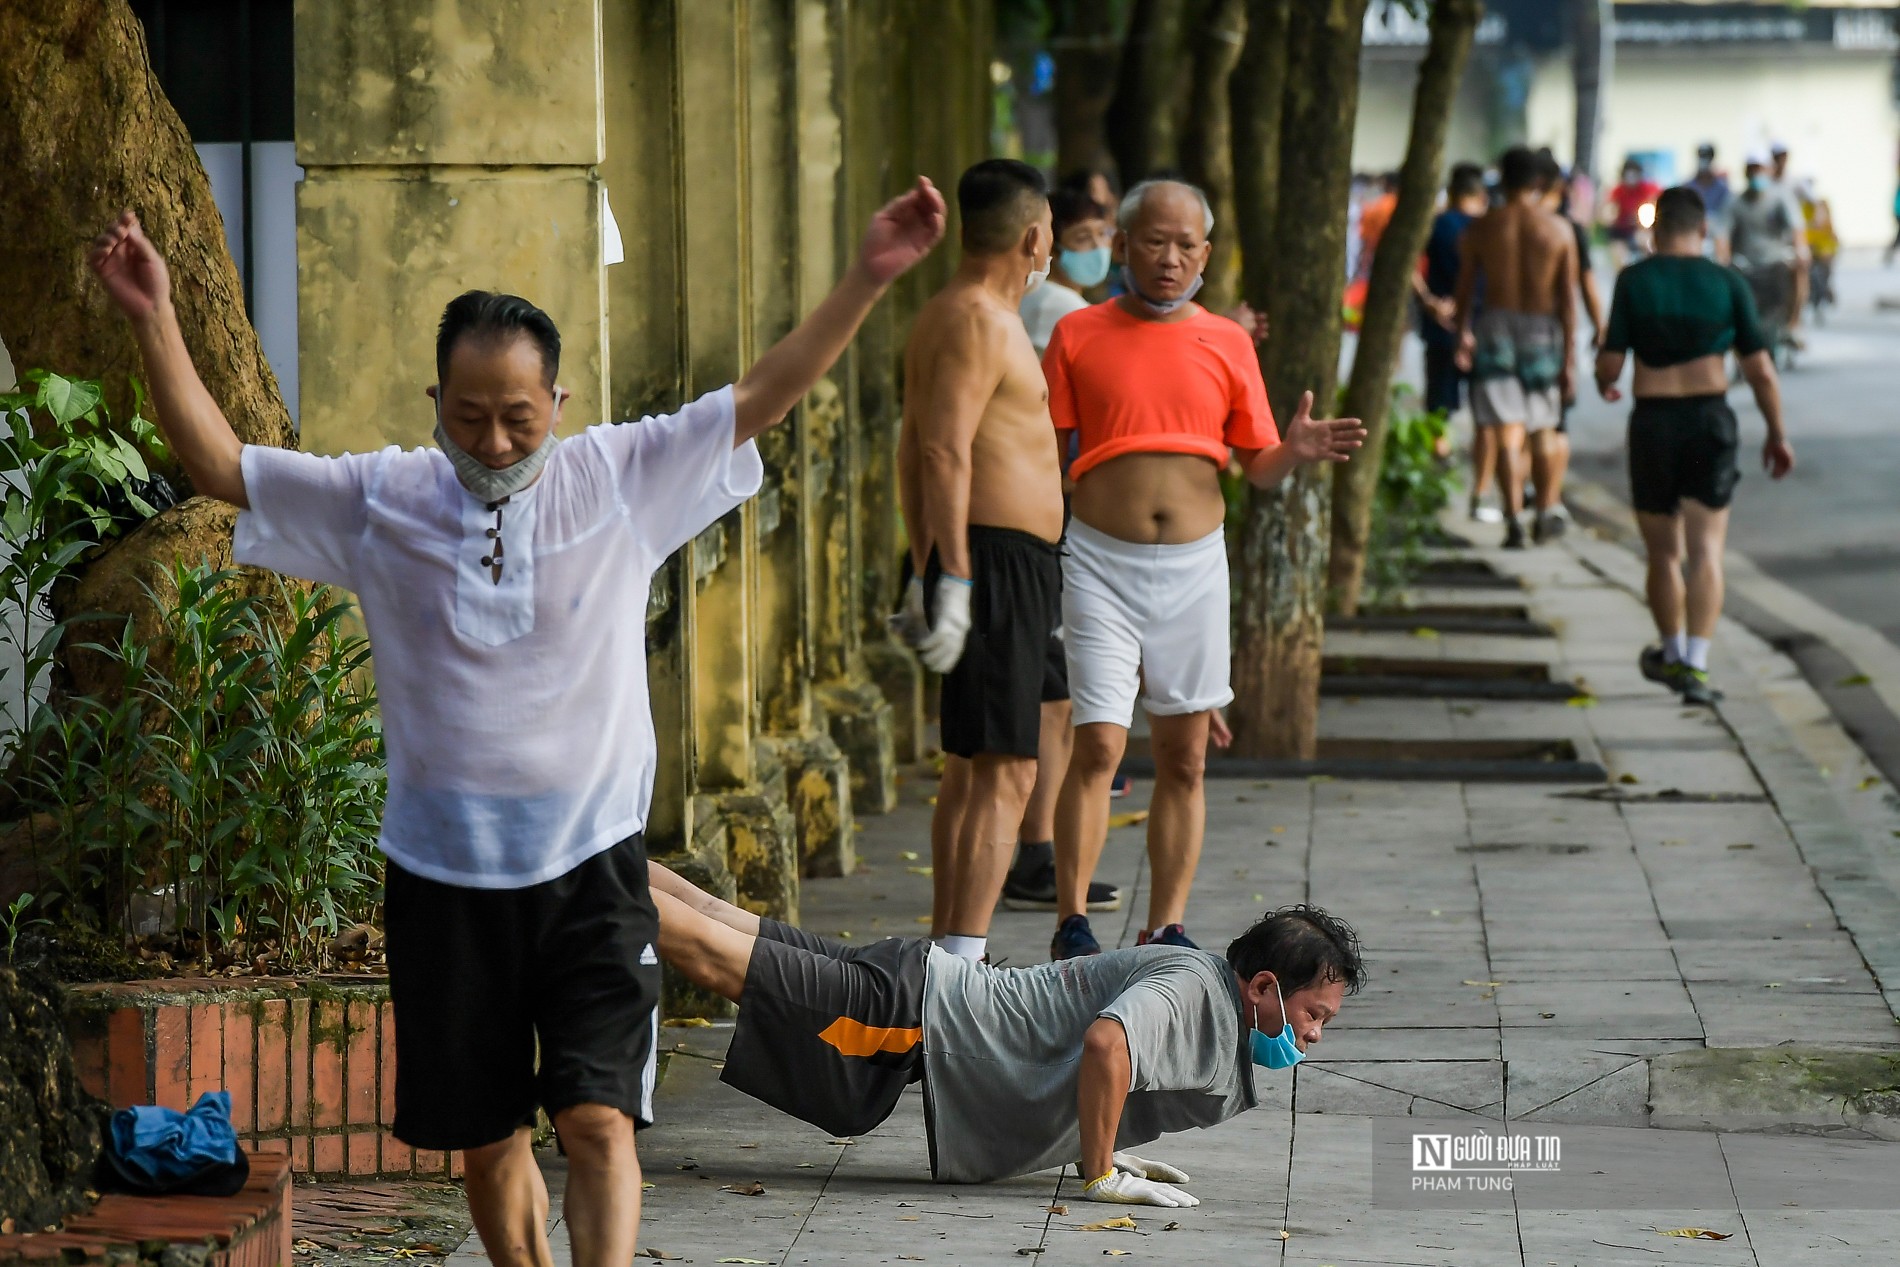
{"points": [[1087, 55], [1281, 562], [1146, 117], [1388, 293], [1595, 51], [85, 131], [1255, 101], [1207, 150]]}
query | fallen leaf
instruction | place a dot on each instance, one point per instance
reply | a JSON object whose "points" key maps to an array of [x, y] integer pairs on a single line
{"points": [[805, 1165], [1582, 701], [650, 1252], [845, 933], [1029, 1251], [843, 1142], [686, 1022], [1675, 841], [753, 1189], [1129, 819], [1549, 1016], [1867, 784], [1259, 897], [921, 870], [748, 1145], [1627, 778], [1116, 1253], [912, 1258], [1743, 845], [921, 919], [1122, 1224], [909, 855], [1855, 679], [1693, 1233], [1058, 1209], [930, 800], [1172, 1227], [1285, 1235], [1425, 631], [687, 1165]]}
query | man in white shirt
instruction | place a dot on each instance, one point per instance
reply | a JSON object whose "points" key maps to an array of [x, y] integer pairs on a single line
{"points": [[503, 579]]}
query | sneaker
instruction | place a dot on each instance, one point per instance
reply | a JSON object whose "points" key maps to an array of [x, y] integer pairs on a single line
{"points": [[1694, 686], [1657, 666], [1513, 535], [1549, 527], [1035, 890], [1171, 935], [1119, 786], [1074, 939], [1479, 513]]}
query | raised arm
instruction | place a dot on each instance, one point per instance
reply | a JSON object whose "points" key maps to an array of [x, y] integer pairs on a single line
{"points": [[135, 276], [902, 233], [1307, 439]]}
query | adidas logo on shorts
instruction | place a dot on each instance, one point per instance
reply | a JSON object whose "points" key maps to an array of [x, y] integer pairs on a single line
{"points": [[647, 956]]}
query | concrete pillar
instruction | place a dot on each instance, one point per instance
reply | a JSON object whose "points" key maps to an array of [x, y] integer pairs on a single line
{"points": [[445, 147]]}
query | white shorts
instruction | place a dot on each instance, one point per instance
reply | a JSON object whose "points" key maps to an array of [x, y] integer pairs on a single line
{"points": [[1147, 621]]}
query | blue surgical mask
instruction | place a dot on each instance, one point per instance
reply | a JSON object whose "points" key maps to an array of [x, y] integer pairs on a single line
{"points": [[1758, 182], [1159, 307], [1276, 1051], [1086, 268]]}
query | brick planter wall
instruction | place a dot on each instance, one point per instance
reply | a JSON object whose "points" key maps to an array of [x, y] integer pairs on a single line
{"points": [[310, 1065]]}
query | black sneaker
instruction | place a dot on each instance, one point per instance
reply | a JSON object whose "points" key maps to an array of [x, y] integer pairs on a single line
{"points": [[1074, 939], [1549, 527], [1513, 534], [1168, 935], [1694, 686], [1035, 890], [1657, 666]]}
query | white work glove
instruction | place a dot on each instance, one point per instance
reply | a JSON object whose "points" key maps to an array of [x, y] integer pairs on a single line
{"points": [[909, 623], [1121, 1187], [1159, 1171], [943, 646]]}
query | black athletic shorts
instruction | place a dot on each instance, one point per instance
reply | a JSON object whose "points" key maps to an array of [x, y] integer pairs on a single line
{"points": [[1682, 446], [483, 978], [1012, 662], [829, 1033]]}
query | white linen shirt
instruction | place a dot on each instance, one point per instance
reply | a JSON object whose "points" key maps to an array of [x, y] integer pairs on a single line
{"points": [[515, 714]]}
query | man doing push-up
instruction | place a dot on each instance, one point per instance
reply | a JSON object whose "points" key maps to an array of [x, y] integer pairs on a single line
{"points": [[1024, 1068]]}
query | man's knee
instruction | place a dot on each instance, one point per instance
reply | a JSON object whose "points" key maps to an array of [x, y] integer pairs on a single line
{"points": [[595, 1132], [1180, 765], [1095, 754], [1006, 776], [488, 1159]]}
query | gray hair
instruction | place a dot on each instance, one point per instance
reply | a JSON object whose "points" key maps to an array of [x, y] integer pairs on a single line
{"points": [[1136, 198]]}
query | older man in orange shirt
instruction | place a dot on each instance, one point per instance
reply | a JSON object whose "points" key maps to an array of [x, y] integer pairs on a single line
{"points": [[1160, 394]]}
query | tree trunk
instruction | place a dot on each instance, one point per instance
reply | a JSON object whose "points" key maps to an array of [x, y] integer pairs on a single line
{"points": [[1255, 102], [1145, 119], [1207, 150], [85, 131], [1388, 294], [1595, 47], [1087, 55], [1281, 562]]}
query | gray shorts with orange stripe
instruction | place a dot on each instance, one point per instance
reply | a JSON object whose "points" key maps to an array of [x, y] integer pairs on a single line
{"points": [[828, 1032]]}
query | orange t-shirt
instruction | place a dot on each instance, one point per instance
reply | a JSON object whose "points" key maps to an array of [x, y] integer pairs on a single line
{"points": [[1131, 386], [1375, 217]]}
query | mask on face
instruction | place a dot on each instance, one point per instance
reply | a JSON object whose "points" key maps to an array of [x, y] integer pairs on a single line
{"points": [[486, 482], [1758, 182], [1277, 1051], [1159, 307], [1086, 268]]}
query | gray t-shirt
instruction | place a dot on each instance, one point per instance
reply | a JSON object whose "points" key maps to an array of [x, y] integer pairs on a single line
{"points": [[1761, 227], [1003, 1053]]}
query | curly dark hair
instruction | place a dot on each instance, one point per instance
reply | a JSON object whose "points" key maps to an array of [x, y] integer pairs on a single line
{"points": [[1299, 945]]}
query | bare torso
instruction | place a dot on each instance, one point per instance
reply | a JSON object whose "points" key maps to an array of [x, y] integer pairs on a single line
{"points": [[1015, 474], [1520, 249], [1704, 376], [1152, 498]]}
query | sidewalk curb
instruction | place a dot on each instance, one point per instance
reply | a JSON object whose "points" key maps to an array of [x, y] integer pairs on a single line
{"points": [[1843, 866]]}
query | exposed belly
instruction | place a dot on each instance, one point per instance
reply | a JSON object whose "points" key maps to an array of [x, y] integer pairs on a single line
{"points": [[1152, 498], [1704, 376], [1018, 484]]}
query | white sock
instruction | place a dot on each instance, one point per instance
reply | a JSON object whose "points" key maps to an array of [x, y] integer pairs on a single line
{"points": [[1675, 648], [968, 947], [1697, 653]]}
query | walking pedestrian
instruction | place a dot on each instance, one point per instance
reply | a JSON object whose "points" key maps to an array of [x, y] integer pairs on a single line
{"points": [[981, 490], [1160, 394], [1436, 286], [1681, 314], [503, 577], [1520, 349], [1550, 449], [1713, 185]]}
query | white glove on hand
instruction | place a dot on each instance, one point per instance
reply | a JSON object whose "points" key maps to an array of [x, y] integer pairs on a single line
{"points": [[1159, 1171], [1120, 1187], [943, 647], [909, 623]]}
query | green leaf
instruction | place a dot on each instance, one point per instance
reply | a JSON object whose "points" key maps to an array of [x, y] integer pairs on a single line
{"points": [[68, 398]]}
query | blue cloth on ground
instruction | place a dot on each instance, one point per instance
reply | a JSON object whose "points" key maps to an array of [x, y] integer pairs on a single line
{"points": [[162, 1149]]}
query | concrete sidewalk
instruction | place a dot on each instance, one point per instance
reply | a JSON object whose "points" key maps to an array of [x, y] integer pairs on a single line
{"points": [[1537, 953]]}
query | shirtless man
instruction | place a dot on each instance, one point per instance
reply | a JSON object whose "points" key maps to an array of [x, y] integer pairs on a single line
{"points": [[1161, 394], [981, 489], [1521, 349]]}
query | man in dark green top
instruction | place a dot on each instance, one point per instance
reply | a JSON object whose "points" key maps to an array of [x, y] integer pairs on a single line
{"points": [[1681, 314]]}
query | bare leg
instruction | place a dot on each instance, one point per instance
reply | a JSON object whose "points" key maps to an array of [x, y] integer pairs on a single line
{"points": [[1082, 812], [1484, 458], [1550, 459], [509, 1201], [999, 788], [1177, 813], [1662, 542], [701, 949], [602, 1205], [664, 880], [946, 827], [1052, 766], [1510, 465], [1704, 533]]}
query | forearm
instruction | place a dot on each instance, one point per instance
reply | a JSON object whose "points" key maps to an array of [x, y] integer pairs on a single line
{"points": [[1100, 1093], [910, 500], [945, 492], [1269, 466], [193, 425], [1593, 303], [1767, 389], [1609, 369], [791, 367]]}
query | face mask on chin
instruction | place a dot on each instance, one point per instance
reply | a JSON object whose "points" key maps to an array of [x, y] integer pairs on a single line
{"points": [[1276, 1051], [1159, 307], [485, 481]]}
